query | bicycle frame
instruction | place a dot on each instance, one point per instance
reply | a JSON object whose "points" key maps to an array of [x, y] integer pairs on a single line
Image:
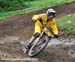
{"points": [[47, 30], [40, 42]]}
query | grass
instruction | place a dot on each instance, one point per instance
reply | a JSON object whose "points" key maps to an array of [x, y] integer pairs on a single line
{"points": [[35, 5], [67, 22]]}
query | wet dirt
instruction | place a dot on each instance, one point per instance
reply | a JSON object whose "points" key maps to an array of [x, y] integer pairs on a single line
{"points": [[20, 28]]}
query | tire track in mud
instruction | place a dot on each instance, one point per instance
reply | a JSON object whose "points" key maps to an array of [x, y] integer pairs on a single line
{"points": [[64, 45], [21, 25]]}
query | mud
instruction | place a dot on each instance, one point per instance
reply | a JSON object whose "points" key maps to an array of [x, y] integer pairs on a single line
{"points": [[61, 49], [20, 28]]}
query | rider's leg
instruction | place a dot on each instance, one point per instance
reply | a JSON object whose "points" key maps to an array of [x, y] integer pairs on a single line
{"points": [[32, 39], [49, 37], [53, 28], [36, 33]]}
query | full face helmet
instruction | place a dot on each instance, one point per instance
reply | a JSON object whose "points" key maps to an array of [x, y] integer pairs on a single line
{"points": [[51, 12]]}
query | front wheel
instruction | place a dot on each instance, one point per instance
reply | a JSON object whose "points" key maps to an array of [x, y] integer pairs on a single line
{"points": [[41, 44]]}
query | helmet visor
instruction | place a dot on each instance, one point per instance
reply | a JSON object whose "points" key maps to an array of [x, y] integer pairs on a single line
{"points": [[51, 14]]}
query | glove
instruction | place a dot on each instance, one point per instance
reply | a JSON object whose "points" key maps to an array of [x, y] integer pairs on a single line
{"points": [[56, 36], [40, 20]]}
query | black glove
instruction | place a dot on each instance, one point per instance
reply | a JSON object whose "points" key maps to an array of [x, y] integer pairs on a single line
{"points": [[41, 20], [56, 36]]}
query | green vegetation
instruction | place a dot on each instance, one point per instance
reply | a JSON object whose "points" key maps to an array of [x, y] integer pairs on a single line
{"points": [[13, 5], [67, 23], [28, 5]]}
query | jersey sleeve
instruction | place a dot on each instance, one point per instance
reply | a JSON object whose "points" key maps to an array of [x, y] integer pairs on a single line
{"points": [[55, 29], [35, 17]]}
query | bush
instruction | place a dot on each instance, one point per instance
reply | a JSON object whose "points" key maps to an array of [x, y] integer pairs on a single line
{"points": [[12, 5]]}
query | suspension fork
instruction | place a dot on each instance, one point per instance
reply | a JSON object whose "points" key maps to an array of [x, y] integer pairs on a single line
{"points": [[48, 33], [37, 39]]}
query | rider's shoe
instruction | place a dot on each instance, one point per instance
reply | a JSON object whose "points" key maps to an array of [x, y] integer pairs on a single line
{"points": [[28, 46]]}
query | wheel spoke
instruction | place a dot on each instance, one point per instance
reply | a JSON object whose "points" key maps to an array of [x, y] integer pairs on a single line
{"points": [[34, 50]]}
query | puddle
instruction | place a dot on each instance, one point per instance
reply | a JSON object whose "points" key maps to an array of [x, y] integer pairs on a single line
{"points": [[71, 52], [63, 42], [9, 39], [12, 38]]}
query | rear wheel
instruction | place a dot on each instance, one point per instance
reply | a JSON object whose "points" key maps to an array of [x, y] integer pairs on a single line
{"points": [[36, 49]]}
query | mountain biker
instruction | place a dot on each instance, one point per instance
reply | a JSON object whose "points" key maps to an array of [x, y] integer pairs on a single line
{"points": [[47, 19]]}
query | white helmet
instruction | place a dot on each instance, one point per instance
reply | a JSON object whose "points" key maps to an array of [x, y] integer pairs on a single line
{"points": [[51, 11]]}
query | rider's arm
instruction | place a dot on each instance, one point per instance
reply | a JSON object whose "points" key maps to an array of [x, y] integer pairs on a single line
{"points": [[35, 18], [55, 29]]}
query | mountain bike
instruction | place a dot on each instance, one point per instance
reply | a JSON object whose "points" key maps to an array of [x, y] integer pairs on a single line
{"points": [[39, 43]]}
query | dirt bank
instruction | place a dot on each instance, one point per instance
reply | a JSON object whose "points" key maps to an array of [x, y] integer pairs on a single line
{"points": [[22, 25]]}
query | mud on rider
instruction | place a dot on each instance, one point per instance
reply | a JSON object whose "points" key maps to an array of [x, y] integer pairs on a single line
{"points": [[48, 19]]}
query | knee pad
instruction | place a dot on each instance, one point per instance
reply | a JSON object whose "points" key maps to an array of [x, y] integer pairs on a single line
{"points": [[36, 35], [49, 37], [56, 36]]}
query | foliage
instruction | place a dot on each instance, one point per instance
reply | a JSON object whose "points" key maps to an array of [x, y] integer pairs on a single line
{"points": [[69, 24], [25, 6], [12, 5]]}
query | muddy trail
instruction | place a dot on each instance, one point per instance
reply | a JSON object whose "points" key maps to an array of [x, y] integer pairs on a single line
{"points": [[20, 28]]}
